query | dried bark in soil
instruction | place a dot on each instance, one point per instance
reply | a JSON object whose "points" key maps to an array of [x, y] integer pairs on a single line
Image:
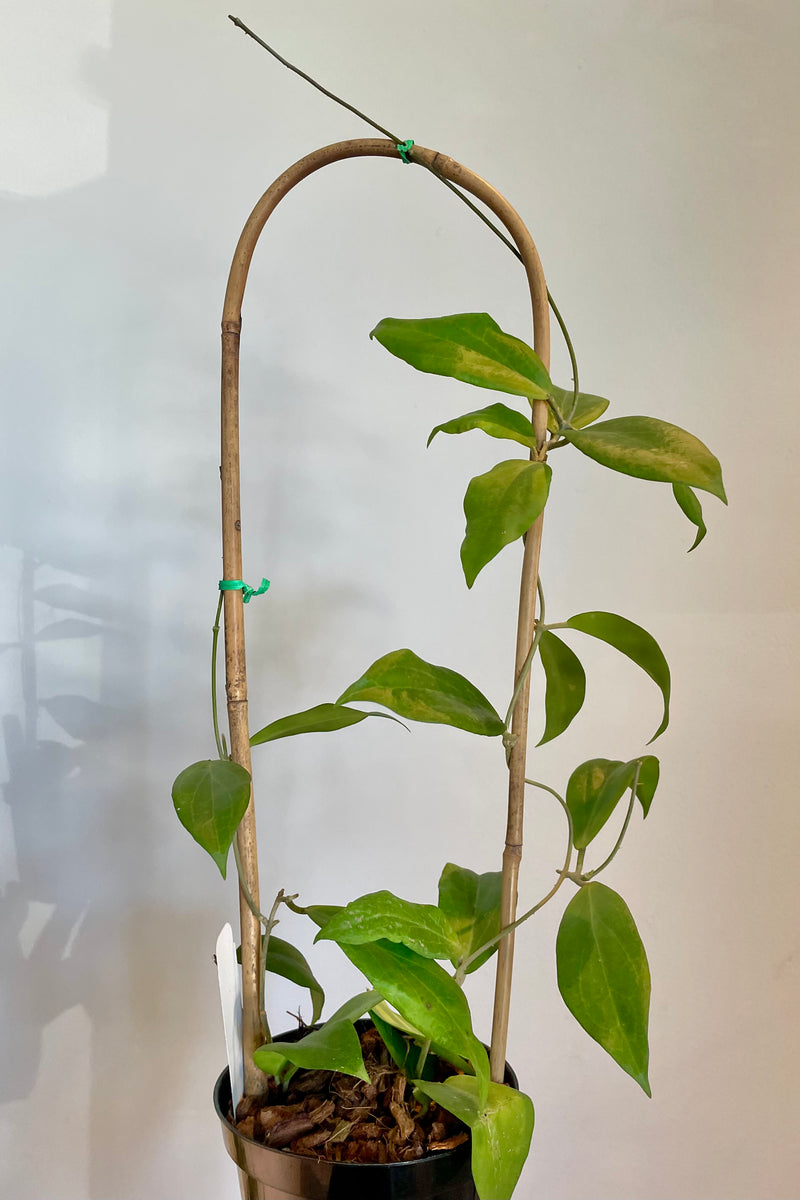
{"points": [[324, 1114]]}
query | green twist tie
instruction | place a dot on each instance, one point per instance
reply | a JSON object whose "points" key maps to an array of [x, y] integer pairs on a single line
{"points": [[403, 149], [239, 585]]}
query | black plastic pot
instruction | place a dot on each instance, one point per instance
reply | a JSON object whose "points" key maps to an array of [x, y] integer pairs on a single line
{"points": [[266, 1174]]}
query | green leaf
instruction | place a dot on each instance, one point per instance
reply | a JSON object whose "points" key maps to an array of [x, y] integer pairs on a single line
{"points": [[334, 1047], [588, 410], [404, 1053], [382, 915], [421, 691], [649, 771], [472, 904], [590, 801], [604, 978], [270, 1061], [467, 346], [497, 420], [323, 718], [320, 914], [634, 642], [426, 995], [500, 507], [502, 1129], [596, 787], [693, 509], [565, 685], [210, 798], [284, 960], [651, 449]]}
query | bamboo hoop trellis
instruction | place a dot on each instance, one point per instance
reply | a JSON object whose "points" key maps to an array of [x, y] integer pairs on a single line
{"points": [[235, 664]]}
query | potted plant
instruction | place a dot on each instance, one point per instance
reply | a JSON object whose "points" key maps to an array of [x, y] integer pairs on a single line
{"points": [[419, 1076]]}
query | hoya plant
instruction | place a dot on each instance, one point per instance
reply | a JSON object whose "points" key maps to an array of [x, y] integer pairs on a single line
{"points": [[416, 956]]}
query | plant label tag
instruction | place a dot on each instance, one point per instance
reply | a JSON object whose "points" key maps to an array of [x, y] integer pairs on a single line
{"points": [[230, 994]]}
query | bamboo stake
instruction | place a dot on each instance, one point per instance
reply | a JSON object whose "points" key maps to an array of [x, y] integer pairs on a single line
{"points": [[235, 664]]}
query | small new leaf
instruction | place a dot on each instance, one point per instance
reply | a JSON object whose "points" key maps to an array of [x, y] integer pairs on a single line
{"points": [[497, 420], [634, 642], [565, 685], [210, 798], [691, 507], [651, 449], [323, 718], [588, 410], [284, 960], [500, 507], [472, 904], [420, 691], [467, 346], [382, 915], [589, 798], [604, 978]]}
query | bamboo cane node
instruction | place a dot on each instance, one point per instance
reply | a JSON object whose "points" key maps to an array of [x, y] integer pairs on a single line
{"points": [[233, 328]]}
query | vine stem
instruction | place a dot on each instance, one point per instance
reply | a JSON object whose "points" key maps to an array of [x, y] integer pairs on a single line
{"points": [[537, 637], [214, 713]]}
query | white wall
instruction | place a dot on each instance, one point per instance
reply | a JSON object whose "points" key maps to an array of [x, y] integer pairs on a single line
{"points": [[652, 148]]}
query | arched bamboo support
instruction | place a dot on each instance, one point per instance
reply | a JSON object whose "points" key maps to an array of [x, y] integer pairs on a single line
{"points": [[235, 666]]}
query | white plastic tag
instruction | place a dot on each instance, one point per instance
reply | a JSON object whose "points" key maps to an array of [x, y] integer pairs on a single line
{"points": [[230, 994]]}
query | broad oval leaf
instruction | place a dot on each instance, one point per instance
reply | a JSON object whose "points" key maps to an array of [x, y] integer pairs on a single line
{"points": [[426, 995], [284, 960], [500, 507], [210, 798], [588, 410], [565, 688], [604, 978], [498, 420], [651, 449], [634, 642], [421, 691], [472, 904], [691, 507], [588, 799], [322, 718], [467, 346], [333, 1047], [502, 1129], [382, 915]]}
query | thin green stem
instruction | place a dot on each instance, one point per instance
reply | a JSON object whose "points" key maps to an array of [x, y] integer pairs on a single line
{"points": [[221, 750], [563, 874], [241, 25], [623, 831], [424, 1051], [267, 924], [526, 666], [571, 351]]}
